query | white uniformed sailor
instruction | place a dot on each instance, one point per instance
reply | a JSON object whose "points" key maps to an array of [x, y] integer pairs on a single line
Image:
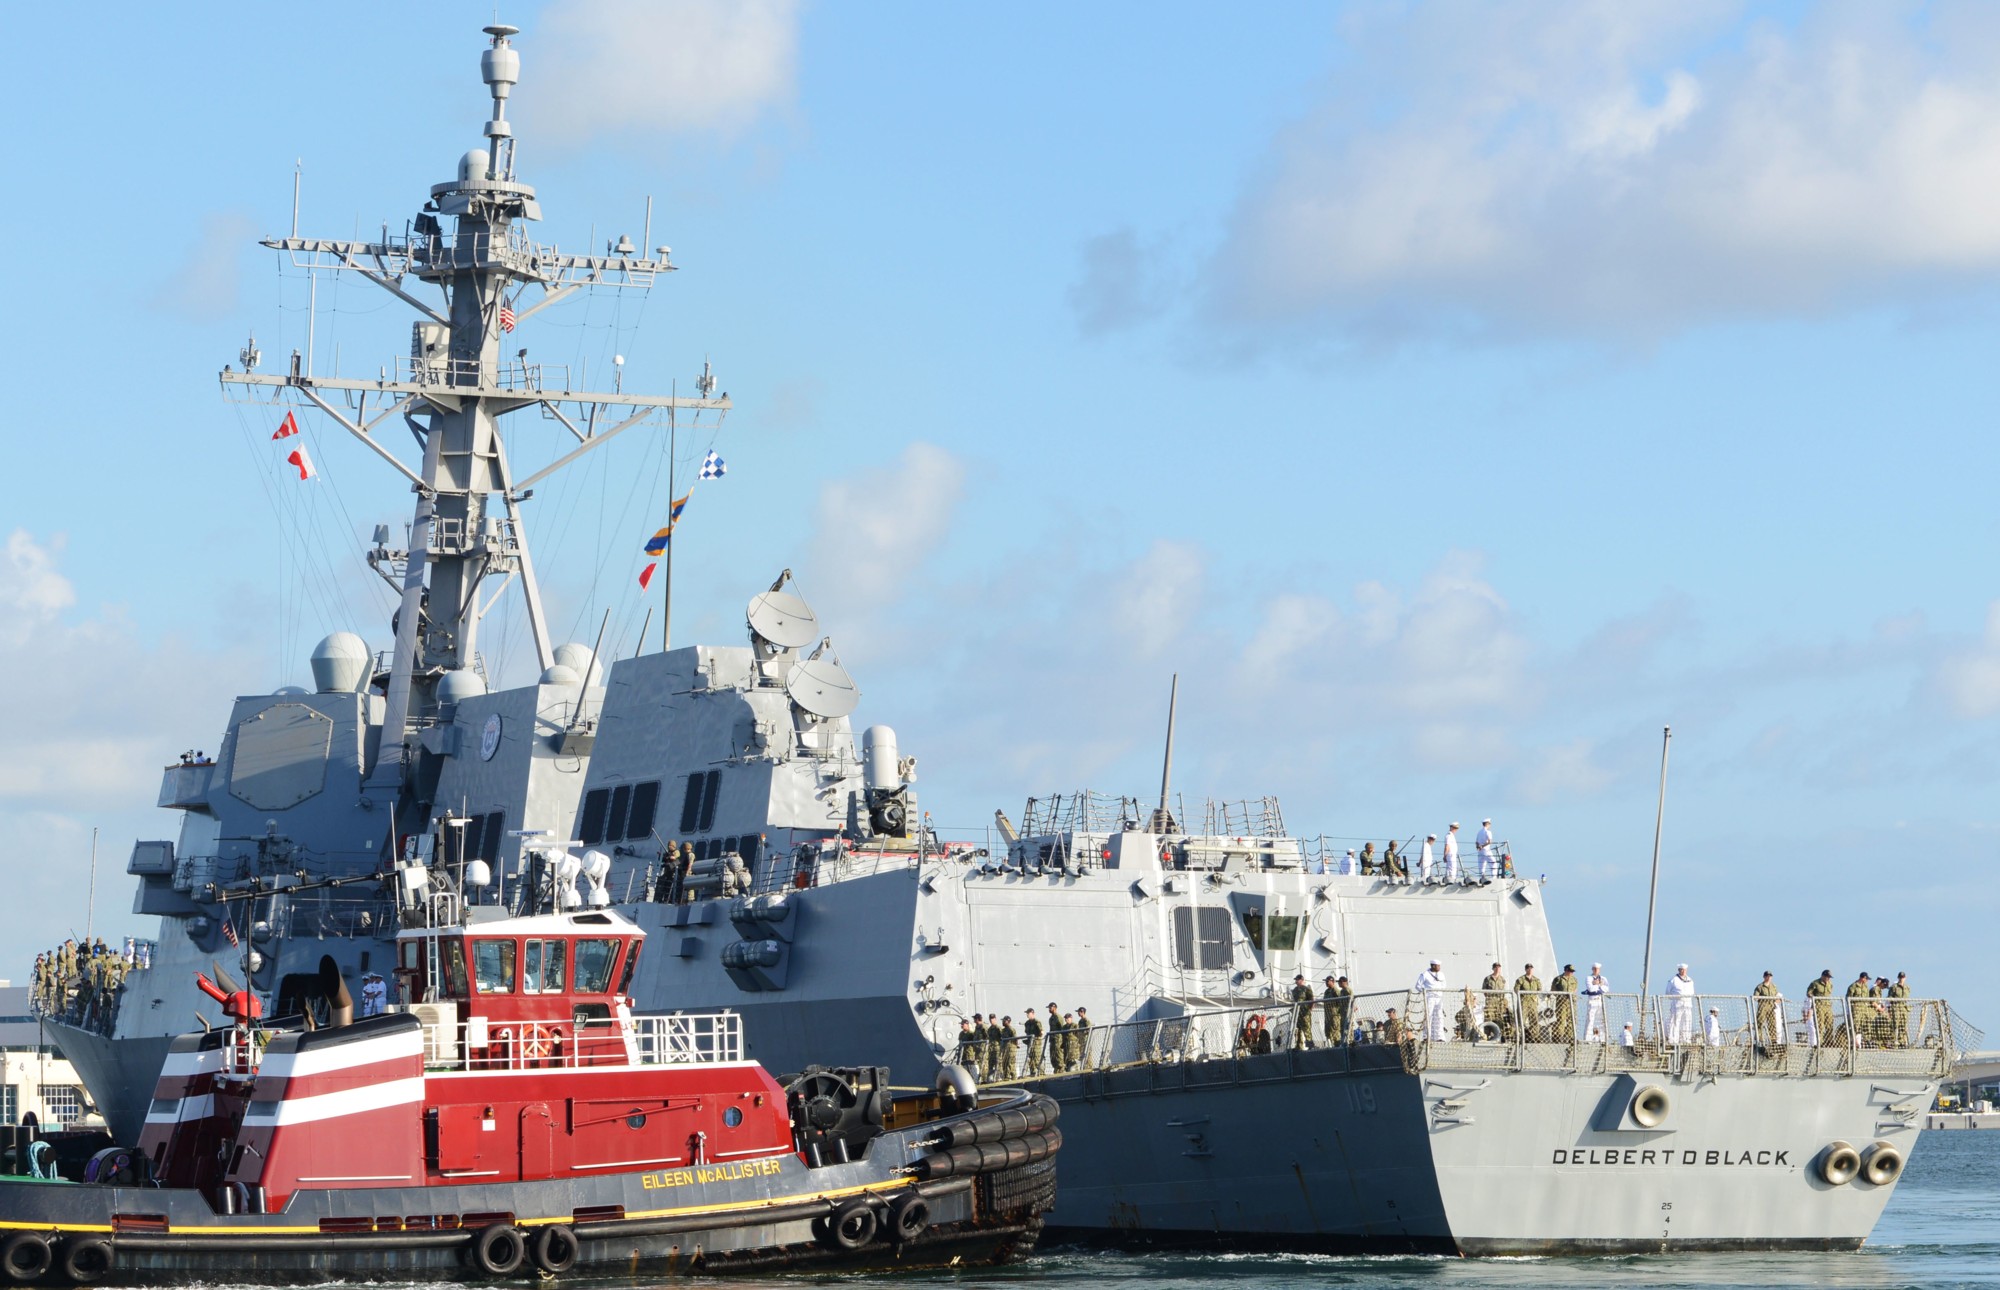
{"points": [[1424, 859], [1680, 1023], [1431, 983], [1594, 991], [1348, 864], [1712, 1029], [1451, 853], [1489, 864]]}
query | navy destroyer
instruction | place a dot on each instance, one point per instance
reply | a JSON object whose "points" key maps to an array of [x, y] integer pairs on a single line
{"points": [[724, 799]]}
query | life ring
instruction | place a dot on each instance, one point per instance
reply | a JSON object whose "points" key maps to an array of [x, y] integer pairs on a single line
{"points": [[555, 1249], [851, 1226], [1839, 1163], [26, 1257], [535, 1045], [86, 1259], [909, 1215], [498, 1250]]}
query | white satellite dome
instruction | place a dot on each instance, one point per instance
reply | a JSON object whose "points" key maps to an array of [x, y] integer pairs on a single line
{"points": [[478, 874], [561, 675], [341, 663], [458, 685], [578, 659]]}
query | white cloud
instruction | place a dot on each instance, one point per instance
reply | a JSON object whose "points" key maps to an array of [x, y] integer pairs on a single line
{"points": [[643, 68], [874, 529], [1605, 167], [208, 284], [1123, 282], [32, 593], [1968, 680]]}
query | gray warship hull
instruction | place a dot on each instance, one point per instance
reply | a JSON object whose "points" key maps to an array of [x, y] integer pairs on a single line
{"points": [[1477, 1147]]}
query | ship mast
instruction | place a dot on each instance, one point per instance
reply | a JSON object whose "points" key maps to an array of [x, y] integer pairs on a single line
{"points": [[452, 393]]}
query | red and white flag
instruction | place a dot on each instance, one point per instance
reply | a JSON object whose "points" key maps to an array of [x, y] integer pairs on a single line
{"points": [[506, 316], [287, 428], [229, 932], [646, 575], [303, 462]]}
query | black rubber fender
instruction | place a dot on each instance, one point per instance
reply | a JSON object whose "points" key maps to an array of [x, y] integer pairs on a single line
{"points": [[87, 1258], [26, 1258], [909, 1214], [555, 1248], [853, 1225], [498, 1251]]}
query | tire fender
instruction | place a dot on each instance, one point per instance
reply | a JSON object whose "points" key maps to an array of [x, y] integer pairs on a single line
{"points": [[26, 1258], [85, 1259], [555, 1248], [909, 1215], [498, 1250]]}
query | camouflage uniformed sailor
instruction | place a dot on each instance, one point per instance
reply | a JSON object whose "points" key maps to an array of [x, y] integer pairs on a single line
{"points": [[1080, 1037], [1498, 1008], [1564, 987], [1820, 1011], [1770, 1024], [1002, 1036], [979, 1048], [1031, 1029], [1529, 987], [1302, 1012], [968, 1048], [1899, 1011], [1859, 1014], [1337, 1002], [1058, 1041]]}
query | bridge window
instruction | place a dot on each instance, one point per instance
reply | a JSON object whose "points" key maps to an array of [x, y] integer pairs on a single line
{"points": [[590, 824], [1283, 932], [493, 966], [546, 961], [631, 964], [645, 805], [621, 802], [593, 965]]}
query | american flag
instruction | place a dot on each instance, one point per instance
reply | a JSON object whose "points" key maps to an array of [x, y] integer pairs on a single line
{"points": [[506, 316]]}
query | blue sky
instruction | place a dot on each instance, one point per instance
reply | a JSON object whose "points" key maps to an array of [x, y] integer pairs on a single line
{"points": [[1452, 395]]}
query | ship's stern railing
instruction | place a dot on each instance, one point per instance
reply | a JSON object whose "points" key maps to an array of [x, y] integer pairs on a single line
{"points": [[1477, 1029], [684, 1037]]}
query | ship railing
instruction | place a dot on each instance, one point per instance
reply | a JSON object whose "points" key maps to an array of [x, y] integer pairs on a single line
{"points": [[1195, 1035], [1694, 1034], [683, 1037], [671, 1039], [508, 374]]}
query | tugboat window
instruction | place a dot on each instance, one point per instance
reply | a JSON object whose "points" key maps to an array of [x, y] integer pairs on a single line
{"points": [[593, 965], [493, 966], [732, 1116], [635, 1121], [451, 961], [546, 961]]}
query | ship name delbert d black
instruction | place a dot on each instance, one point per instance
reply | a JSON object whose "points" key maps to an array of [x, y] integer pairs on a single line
{"points": [[1662, 1156]]}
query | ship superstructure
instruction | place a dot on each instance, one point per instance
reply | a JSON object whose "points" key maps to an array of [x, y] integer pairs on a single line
{"points": [[290, 829]]}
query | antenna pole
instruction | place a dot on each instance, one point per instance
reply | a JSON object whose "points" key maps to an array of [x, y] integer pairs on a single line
{"points": [[667, 578], [90, 905], [1653, 898], [643, 629], [298, 168], [1167, 767]]}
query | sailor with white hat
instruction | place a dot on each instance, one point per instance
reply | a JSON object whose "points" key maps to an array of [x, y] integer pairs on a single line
{"points": [[1349, 864], [1451, 853], [1430, 983], [1482, 841], [1424, 859], [1680, 1022]]}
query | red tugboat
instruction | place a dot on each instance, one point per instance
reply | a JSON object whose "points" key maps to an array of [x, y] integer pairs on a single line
{"points": [[523, 1120]]}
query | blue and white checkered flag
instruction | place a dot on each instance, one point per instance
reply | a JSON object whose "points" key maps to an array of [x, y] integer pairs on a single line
{"points": [[713, 467]]}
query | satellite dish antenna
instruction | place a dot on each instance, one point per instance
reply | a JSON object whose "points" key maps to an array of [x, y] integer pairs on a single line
{"points": [[821, 686], [782, 619]]}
